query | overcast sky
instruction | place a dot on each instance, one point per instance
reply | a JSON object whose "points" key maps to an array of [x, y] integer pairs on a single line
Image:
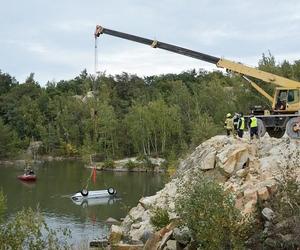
{"points": [[54, 38]]}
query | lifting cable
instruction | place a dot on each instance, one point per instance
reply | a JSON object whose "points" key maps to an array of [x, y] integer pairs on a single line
{"points": [[96, 56]]}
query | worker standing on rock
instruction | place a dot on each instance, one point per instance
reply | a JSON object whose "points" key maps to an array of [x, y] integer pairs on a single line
{"points": [[229, 124], [253, 126], [241, 125], [235, 119]]}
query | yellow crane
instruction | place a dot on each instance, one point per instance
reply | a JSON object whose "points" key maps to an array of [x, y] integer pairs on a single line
{"points": [[285, 113]]}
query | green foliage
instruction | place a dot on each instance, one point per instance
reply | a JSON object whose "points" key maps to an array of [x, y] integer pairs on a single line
{"points": [[9, 142], [108, 164], [125, 115], [2, 205], [28, 230], [131, 165], [286, 202], [211, 216], [203, 129], [160, 218]]}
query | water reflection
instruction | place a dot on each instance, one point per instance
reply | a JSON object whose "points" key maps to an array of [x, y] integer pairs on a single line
{"points": [[27, 184], [96, 201]]}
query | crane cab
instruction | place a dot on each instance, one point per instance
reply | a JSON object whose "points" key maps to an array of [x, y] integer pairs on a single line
{"points": [[286, 100]]}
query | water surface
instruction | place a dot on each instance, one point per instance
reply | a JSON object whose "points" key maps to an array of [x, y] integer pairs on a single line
{"points": [[57, 181]]}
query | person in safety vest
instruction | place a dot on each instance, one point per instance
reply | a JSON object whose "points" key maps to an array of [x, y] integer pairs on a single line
{"points": [[235, 119], [253, 126], [241, 125], [229, 124]]}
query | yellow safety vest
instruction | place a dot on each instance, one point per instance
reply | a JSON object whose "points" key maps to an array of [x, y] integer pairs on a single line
{"points": [[253, 123], [229, 123], [242, 126]]}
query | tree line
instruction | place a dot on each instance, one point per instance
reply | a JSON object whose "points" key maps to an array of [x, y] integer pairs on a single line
{"points": [[116, 116]]}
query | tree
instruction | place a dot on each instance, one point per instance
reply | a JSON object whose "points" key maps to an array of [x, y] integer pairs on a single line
{"points": [[6, 83], [8, 141]]}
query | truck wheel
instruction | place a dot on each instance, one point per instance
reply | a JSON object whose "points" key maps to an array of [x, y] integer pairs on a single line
{"points": [[275, 132], [261, 128], [293, 128]]}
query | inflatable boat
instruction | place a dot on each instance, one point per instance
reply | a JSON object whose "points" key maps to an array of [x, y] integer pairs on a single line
{"points": [[27, 177], [85, 194]]}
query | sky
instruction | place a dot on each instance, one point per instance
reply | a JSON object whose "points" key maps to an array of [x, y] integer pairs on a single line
{"points": [[54, 38]]}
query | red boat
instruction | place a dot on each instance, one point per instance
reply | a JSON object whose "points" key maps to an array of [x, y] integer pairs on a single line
{"points": [[27, 177]]}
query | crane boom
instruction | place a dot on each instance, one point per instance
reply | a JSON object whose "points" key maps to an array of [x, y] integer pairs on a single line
{"points": [[157, 44], [219, 62]]}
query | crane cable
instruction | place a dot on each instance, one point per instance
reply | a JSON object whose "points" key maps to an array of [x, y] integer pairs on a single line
{"points": [[96, 56]]}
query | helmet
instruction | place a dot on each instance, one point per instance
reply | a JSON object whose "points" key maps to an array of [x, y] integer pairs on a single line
{"points": [[228, 115]]}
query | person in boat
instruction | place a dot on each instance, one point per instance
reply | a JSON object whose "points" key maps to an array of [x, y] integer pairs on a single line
{"points": [[28, 171]]}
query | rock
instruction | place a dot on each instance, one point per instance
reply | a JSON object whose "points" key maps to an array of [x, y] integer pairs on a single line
{"points": [[263, 194], [250, 195], [249, 207], [164, 239], [171, 245], [122, 246], [115, 234], [147, 202], [136, 225], [146, 235], [182, 235], [233, 159], [153, 242], [239, 203], [268, 214], [111, 220], [136, 234], [209, 161], [241, 173]]}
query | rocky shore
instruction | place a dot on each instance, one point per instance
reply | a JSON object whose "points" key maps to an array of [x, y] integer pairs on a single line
{"points": [[249, 170]]}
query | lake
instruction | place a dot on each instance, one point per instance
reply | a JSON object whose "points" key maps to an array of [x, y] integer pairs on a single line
{"points": [[57, 181]]}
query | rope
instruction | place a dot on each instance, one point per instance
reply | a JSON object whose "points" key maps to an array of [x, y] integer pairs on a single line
{"points": [[96, 56]]}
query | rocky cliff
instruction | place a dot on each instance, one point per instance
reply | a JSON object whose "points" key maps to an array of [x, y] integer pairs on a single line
{"points": [[247, 169]]}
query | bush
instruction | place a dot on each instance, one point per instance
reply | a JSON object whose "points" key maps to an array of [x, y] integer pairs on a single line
{"points": [[286, 206], [109, 164], [28, 230], [131, 165], [286, 202], [211, 215], [160, 218]]}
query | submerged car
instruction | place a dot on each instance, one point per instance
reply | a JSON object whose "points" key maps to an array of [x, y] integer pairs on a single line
{"points": [[86, 195]]}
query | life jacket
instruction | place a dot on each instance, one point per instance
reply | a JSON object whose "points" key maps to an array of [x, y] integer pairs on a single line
{"points": [[242, 123], [253, 123]]}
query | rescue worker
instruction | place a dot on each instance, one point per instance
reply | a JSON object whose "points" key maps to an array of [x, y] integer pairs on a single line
{"points": [[235, 119], [241, 125], [253, 126], [229, 124]]}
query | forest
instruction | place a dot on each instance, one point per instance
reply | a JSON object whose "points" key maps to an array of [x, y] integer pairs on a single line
{"points": [[116, 116]]}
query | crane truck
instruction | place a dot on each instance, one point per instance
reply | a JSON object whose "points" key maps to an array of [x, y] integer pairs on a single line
{"points": [[284, 116]]}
